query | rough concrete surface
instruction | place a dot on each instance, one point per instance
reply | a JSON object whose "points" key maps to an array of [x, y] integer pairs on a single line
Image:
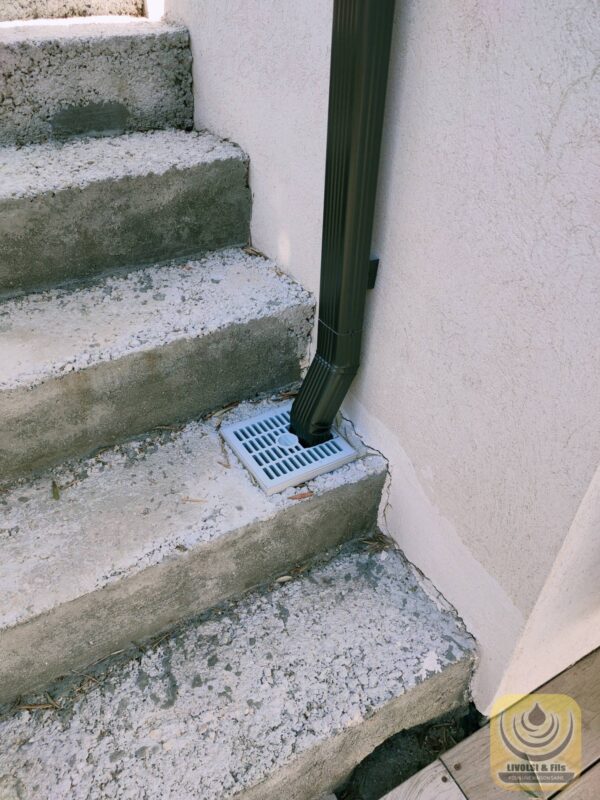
{"points": [[99, 75], [93, 205], [278, 695], [147, 533], [35, 9], [87, 367]]}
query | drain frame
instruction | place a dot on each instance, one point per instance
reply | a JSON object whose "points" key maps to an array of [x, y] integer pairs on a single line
{"points": [[276, 466]]}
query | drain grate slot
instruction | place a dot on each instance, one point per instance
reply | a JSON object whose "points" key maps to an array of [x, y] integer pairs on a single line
{"points": [[265, 445]]}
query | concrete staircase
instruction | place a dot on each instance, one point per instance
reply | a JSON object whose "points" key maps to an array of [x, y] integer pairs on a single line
{"points": [[167, 630]]}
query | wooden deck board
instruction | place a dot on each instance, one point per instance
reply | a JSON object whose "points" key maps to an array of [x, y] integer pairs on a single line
{"points": [[432, 783], [468, 762], [587, 787], [469, 765], [582, 683]]}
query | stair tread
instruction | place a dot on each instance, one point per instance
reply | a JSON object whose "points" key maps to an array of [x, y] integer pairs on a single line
{"points": [[51, 167], [94, 27], [131, 507], [246, 694], [14, 10], [62, 330]]}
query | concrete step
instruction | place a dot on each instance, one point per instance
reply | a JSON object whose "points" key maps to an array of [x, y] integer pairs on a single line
{"points": [[93, 205], [46, 9], [277, 696], [87, 367], [92, 75], [98, 553]]}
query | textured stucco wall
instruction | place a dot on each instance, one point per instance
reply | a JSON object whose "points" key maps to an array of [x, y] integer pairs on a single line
{"points": [[490, 296], [481, 367], [261, 72], [565, 622]]}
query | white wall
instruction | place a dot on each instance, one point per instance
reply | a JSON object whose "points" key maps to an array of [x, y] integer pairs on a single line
{"points": [[566, 618], [261, 72], [481, 366]]}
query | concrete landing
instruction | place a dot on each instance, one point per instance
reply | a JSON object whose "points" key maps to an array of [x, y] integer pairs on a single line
{"points": [[277, 696], [92, 76], [99, 553]]}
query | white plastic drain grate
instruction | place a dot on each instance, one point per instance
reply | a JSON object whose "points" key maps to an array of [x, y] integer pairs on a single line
{"points": [[275, 457]]}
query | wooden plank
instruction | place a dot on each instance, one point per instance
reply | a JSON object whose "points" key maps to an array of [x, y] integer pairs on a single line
{"points": [[468, 762], [432, 783], [585, 788], [469, 765], [582, 682]]}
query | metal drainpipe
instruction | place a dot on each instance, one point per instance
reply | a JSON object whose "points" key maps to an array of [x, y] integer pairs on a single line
{"points": [[360, 49]]}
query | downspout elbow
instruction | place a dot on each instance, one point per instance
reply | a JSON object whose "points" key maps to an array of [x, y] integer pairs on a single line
{"points": [[326, 384]]}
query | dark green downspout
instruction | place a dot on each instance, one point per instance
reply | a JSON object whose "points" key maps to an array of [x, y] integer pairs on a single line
{"points": [[362, 31]]}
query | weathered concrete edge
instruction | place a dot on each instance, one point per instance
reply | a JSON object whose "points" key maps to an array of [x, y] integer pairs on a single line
{"points": [[77, 413], [96, 625], [171, 215], [325, 767]]}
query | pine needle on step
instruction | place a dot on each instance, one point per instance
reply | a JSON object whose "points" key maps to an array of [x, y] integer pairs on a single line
{"points": [[302, 495], [36, 707], [252, 251], [378, 542]]}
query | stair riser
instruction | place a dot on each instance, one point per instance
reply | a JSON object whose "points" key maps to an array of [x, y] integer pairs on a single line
{"points": [[79, 232], [90, 85], [277, 695], [97, 624], [325, 768], [74, 414], [44, 9]]}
